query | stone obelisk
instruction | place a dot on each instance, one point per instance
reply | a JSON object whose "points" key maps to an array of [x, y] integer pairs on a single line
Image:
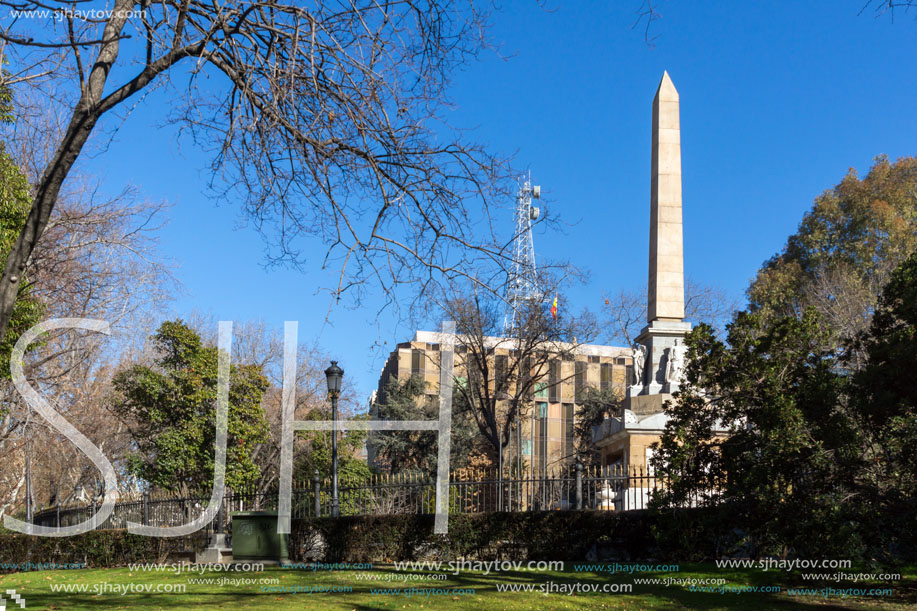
{"points": [[664, 334], [666, 281]]}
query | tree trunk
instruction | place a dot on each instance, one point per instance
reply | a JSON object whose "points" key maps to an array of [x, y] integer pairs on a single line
{"points": [[85, 115], [46, 194]]}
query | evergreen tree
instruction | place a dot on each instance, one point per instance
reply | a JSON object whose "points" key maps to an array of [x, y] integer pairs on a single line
{"points": [[171, 410]]}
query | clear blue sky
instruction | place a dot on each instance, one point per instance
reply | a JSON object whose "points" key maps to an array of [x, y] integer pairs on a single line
{"points": [[778, 100]]}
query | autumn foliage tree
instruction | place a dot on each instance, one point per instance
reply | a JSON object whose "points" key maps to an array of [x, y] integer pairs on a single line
{"points": [[844, 251]]}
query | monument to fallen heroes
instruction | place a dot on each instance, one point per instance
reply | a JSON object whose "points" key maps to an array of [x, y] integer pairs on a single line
{"points": [[659, 354], [661, 343]]}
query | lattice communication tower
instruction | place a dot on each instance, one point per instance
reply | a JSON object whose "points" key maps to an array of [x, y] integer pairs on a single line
{"points": [[522, 285]]}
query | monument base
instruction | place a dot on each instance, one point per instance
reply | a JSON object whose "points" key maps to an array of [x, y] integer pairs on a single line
{"points": [[658, 336], [647, 405], [215, 553]]}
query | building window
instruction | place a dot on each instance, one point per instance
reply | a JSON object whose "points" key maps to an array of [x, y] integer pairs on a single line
{"points": [[580, 382], [500, 367], [541, 390], [541, 453], [606, 378], [417, 362], [525, 374], [542, 409], [650, 453], [568, 430], [554, 382]]}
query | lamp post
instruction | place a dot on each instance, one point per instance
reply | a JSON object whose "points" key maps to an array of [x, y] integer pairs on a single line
{"points": [[333, 375], [28, 482]]}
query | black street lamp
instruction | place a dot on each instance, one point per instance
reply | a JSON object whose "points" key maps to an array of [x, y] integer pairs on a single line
{"points": [[334, 374], [28, 482]]}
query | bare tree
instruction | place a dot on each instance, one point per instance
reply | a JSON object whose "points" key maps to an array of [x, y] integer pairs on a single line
{"points": [[256, 343], [324, 121], [881, 7], [97, 259], [846, 299], [625, 313], [501, 373]]}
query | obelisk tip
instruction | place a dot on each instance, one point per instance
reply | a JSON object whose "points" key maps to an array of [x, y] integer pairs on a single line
{"points": [[666, 89]]}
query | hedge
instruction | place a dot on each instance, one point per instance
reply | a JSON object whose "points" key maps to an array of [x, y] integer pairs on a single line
{"points": [[551, 535], [97, 548], [684, 534]]}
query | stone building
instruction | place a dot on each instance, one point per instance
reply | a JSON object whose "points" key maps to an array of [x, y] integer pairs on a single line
{"points": [[546, 433]]}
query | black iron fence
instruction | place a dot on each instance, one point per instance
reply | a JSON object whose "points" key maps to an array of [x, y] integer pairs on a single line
{"points": [[608, 488]]}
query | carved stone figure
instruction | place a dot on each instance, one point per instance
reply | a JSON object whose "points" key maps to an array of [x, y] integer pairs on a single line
{"points": [[639, 355], [675, 367]]}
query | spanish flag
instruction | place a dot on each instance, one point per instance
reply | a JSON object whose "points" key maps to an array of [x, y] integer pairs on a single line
{"points": [[554, 308]]}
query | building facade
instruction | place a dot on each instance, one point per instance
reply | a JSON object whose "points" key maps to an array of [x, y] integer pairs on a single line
{"points": [[544, 440]]}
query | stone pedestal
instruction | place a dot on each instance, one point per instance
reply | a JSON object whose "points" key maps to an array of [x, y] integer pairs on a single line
{"points": [[215, 553], [658, 336], [647, 405]]}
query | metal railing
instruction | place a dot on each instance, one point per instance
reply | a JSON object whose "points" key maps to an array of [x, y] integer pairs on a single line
{"points": [[609, 488]]}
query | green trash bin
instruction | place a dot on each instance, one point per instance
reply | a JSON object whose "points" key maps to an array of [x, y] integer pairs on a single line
{"points": [[255, 537]]}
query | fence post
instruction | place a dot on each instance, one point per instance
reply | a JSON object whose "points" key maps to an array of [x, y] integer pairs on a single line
{"points": [[317, 487], [146, 508], [579, 484]]}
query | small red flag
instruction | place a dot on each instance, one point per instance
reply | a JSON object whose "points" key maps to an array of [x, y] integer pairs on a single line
{"points": [[554, 308]]}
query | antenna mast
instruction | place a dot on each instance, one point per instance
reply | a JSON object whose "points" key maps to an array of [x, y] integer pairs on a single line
{"points": [[522, 285]]}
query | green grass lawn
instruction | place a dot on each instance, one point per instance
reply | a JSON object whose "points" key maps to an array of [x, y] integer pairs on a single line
{"points": [[103, 586]]}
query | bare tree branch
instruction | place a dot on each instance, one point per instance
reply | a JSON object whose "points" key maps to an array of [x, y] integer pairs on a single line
{"points": [[324, 122]]}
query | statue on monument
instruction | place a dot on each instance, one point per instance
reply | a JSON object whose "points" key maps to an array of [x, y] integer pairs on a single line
{"points": [[675, 367], [639, 356]]}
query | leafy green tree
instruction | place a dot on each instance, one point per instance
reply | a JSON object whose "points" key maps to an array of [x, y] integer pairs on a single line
{"points": [[885, 395], [596, 406], [844, 251], [171, 410], [762, 424], [417, 450], [15, 202], [351, 468], [803, 421]]}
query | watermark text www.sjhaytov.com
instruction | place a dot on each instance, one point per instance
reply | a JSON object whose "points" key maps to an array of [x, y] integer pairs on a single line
{"points": [[192, 567], [486, 566], [61, 14], [766, 564], [40, 566]]}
